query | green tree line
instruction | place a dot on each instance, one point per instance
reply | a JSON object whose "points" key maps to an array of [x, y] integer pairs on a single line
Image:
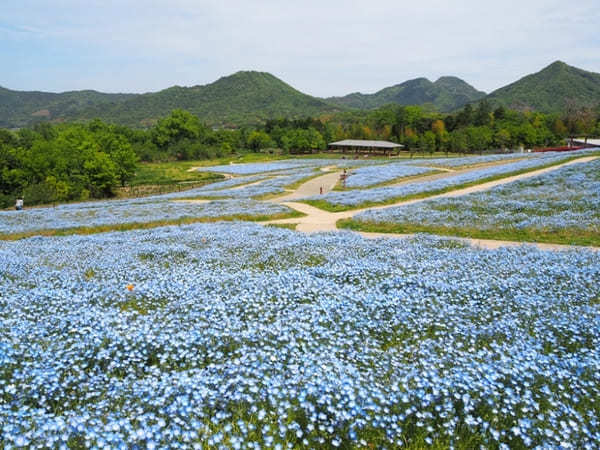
{"points": [[79, 161]]}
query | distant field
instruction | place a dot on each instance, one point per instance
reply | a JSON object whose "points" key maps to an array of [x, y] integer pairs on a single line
{"points": [[561, 207], [363, 198]]}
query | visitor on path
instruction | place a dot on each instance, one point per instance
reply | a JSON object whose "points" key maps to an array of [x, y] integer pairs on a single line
{"points": [[19, 204], [321, 190]]}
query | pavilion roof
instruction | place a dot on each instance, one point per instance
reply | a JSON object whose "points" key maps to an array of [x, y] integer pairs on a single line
{"points": [[365, 143]]}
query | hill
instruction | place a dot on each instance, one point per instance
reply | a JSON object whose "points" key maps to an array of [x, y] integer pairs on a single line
{"points": [[243, 98], [551, 90], [445, 95], [21, 108]]}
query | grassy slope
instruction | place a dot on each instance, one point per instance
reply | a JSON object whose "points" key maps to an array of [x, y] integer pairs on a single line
{"points": [[171, 173]]}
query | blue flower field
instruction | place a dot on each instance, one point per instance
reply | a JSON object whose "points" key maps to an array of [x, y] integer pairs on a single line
{"points": [[234, 335], [131, 211], [373, 175], [357, 197], [565, 200]]}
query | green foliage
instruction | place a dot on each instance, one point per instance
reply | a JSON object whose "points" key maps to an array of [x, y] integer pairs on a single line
{"points": [[49, 164], [427, 142], [258, 140], [74, 161]]}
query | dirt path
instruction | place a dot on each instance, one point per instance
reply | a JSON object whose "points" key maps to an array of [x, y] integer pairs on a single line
{"points": [[488, 244], [227, 176], [312, 187], [197, 202], [244, 186], [318, 220]]}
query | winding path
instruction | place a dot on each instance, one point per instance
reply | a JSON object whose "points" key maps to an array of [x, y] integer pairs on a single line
{"points": [[318, 220]]}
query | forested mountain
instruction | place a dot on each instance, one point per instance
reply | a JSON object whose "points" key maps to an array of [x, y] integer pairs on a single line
{"points": [[554, 89], [22, 108], [252, 98], [244, 98], [445, 95]]}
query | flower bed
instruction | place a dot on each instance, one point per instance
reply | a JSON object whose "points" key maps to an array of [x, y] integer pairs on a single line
{"points": [[372, 175], [248, 337], [97, 214], [566, 201], [356, 198]]}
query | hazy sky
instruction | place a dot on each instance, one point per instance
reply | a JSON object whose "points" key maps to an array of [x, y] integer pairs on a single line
{"points": [[322, 47]]}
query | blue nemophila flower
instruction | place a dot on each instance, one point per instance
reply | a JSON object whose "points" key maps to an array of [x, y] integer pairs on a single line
{"points": [[372, 175], [259, 337], [381, 194], [142, 210], [566, 198]]}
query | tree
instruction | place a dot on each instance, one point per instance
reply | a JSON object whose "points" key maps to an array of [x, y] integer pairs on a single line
{"points": [[559, 129], [586, 122], [411, 139], [465, 117], [226, 148], [258, 140], [427, 142], [526, 135], [179, 125], [126, 162], [441, 135], [479, 138], [483, 116], [579, 121], [101, 174], [59, 189], [500, 113], [502, 138], [458, 141], [121, 153]]}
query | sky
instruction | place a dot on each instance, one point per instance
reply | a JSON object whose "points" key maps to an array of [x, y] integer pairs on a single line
{"points": [[322, 48]]}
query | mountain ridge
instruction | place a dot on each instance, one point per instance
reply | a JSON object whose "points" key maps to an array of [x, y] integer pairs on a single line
{"points": [[245, 97], [553, 89], [252, 97], [446, 94]]}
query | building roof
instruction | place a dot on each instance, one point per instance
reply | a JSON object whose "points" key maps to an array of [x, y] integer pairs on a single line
{"points": [[365, 143], [594, 142]]}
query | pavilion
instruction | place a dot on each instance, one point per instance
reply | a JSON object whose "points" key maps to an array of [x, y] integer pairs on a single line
{"points": [[365, 146]]}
